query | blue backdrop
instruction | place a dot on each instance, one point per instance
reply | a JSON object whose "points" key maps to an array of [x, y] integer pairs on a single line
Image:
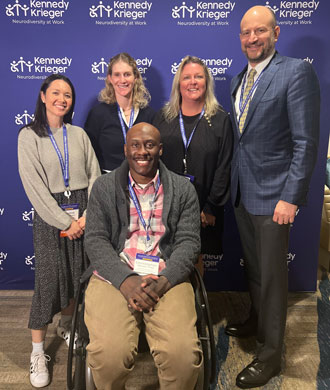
{"points": [[77, 38]]}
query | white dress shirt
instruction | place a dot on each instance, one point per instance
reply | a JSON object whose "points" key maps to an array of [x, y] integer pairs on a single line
{"points": [[259, 68]]}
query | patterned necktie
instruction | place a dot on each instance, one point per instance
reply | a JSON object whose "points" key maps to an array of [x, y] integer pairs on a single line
{"points": [[249, 84]]}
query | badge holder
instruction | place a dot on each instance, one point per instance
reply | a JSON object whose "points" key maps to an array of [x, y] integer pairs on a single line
{"points": [[146, 264], [73, 211]]}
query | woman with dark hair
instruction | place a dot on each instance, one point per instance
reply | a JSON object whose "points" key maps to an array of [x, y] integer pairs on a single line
{"points": [[57, 166], [197, 142], [124, 102]]}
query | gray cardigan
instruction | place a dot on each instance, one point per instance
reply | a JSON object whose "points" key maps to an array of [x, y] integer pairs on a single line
{"points": [[41, 174], [107, 223]]}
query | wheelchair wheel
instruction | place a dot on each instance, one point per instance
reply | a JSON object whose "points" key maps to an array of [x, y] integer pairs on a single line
{"points": [[81, 378], [79, 374], [205, 333], [204, 379], [76, 372]]}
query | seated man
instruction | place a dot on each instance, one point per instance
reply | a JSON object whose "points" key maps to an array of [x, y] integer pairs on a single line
{"points": [[142, 238]]}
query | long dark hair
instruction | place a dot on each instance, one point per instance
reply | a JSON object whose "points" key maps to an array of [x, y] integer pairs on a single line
{"points": [[40, 122]]}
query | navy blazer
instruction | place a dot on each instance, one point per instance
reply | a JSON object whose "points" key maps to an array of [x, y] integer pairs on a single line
{"points": [[275, 155]]}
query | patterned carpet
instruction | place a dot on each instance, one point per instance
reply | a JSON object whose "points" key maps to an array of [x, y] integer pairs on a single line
{"points": [[306, 359], [323, 334]]}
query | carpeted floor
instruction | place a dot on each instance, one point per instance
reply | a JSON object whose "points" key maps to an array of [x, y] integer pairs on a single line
{"points": [[306, 359]]}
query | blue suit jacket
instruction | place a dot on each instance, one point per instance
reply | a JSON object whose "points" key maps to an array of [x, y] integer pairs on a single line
{"points": [[275, 155]]}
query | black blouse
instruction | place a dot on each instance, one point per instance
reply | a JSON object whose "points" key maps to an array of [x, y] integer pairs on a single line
{"points": [[104, 130], [208, 156]]}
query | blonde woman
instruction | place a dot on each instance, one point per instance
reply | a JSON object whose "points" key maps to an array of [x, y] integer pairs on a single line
{"points": [[123, 102], [197, 142]]}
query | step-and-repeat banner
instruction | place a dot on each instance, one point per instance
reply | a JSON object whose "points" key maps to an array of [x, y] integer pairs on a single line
{"points": [[77, 38]]}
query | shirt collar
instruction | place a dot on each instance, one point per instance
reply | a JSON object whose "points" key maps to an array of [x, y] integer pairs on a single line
{"points": [[262, 65], [136, 113], [145, 186]]}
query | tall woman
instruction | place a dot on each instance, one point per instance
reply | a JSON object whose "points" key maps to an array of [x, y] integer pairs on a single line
{"points": [[197, 142], [124, 102], [57, 166]]}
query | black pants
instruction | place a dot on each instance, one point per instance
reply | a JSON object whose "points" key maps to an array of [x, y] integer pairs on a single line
{"points": [[265, 247]]}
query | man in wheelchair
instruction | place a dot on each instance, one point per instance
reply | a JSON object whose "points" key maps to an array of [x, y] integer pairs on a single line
{"points": [[143, 239]]}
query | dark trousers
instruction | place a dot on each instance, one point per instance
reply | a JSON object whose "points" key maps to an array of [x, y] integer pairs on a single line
{"points": [[265, 247]]}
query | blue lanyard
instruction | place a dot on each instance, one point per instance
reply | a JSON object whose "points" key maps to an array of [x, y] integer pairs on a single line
{"points": [[137, 205], [183, 132], [131, 120], [184, 138], [242, 104], [65, 163]]}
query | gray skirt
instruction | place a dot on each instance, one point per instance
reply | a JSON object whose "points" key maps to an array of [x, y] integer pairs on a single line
{"points": [[59, 264]]}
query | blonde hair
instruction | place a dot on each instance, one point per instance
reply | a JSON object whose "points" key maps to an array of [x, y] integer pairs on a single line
{"points": [[172, 107], [141, 95]]}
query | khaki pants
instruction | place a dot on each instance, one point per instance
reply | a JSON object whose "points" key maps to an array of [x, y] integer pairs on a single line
{"points": [[114, 333]]}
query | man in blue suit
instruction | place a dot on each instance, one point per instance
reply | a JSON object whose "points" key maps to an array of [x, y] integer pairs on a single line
{"points": [[276, 129]]}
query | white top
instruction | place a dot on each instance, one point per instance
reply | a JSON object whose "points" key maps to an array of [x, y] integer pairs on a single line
{"points": [[136, 113], [259, 68]]}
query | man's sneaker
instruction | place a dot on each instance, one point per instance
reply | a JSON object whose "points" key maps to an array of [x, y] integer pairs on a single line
{"points": [[65, 334], [39, 375]]}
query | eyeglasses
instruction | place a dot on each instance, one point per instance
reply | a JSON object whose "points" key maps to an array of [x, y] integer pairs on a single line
{"points": [[257, 32]]}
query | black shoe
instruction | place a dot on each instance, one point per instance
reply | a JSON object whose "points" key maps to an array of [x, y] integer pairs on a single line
{"points": [[256, 374], [247, 329]]}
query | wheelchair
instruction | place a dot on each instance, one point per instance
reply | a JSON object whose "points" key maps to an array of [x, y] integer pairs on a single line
{"points": [[79, 374]]}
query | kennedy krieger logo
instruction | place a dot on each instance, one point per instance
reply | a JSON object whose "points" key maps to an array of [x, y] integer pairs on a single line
{"points": [[17, 9], [290, 258], [217, 66], [100, 68], [120, 12], [28, 216], [203, 13], [310, 60], [31, 69], [23, 119], [211, 262], [181, 12], [29, 261], [175, 67], [293, 12], [21, 65], [3, 257], [100, 10], [274, 8], [40, 11]]}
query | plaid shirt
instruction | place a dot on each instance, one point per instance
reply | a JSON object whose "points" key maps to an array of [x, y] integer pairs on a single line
{"points": [[136, 235]]}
